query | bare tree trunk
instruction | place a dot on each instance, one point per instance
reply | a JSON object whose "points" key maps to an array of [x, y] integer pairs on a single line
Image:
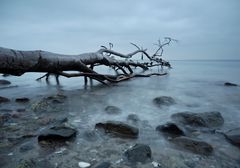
{"points": [[16, 63]]}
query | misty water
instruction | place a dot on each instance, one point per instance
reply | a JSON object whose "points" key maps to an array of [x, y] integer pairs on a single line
{"points": [[196, 86]]}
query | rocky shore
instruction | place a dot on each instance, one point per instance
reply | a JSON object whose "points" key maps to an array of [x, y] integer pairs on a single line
{"points": [[43, 132]]}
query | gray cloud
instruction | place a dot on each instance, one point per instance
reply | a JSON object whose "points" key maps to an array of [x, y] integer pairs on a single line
{"points": [[206, 29]]}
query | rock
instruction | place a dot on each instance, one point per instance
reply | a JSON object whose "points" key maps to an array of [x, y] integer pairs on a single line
{"points": [[119, 128], [205, 119], [90, 135], [26, 147], [22, 100], [4, 100], [164, 101], [233, 136], [103, 165], [230, 84], [4, 118], [84, 164], [139, 153], [193, 145], [4, 82], [133, 118], [26, 164], [57, 133], [170, 129], [112, 110]]}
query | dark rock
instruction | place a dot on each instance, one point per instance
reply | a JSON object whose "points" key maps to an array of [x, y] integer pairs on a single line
{"points": [[206, 119], [230, 84], [4, 100], [170, 129], [113, 110], [193, 145], [233, 136], [57, 133], [103, 165], [119, 128], [4, 82], [22, 100], [26, 147], [164, 101], [133, 118], [139, 153], [5, 75], [57, 99]]}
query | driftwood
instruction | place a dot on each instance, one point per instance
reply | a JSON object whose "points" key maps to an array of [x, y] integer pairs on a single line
{"points": [[17, 63]]}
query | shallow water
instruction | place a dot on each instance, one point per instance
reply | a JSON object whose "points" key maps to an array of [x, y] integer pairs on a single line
{"points": [[197, 86]]}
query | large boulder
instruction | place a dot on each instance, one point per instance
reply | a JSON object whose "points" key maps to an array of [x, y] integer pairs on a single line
{"points": [[57, 133], [4, 100], [205, 119], [233, 136], [4, 82], [163, 101], [118, 128], [170, 129], [139, 153], [193, 145]]}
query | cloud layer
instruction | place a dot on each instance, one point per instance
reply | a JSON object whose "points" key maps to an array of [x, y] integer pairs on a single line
{"points": [[205, 29]]}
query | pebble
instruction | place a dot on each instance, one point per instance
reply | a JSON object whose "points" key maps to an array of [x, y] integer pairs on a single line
{"points": [[84, 164], [156, 164]]}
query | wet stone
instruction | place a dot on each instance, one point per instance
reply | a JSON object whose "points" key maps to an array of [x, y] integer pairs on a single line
{"points": [[26, 147], [112, 110], [118, 128], [4, 100], [164, 101], [103, 165], [22, 100], [193, 145], [139, 153], [205, 119], [230, 84], [233, 136], [133, 118], [170, 129], [57, 133], [4, 82]]}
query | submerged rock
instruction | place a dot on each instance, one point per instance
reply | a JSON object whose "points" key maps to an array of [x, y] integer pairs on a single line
{"points": [[119, 128], [193, 145], [112, 110], [4, 82], [133, 118], [57, 133], [230, 84], [4, 100], [139, 153], [205, 119], [22, 100], [170, 129], [164, 101], [234, 136], [103, 165]]}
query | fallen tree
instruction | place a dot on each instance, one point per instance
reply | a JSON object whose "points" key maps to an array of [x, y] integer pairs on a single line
{"points": [[15, 62]]}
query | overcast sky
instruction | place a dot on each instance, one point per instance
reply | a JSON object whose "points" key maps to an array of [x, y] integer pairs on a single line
{"points": [[206, 29]]}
